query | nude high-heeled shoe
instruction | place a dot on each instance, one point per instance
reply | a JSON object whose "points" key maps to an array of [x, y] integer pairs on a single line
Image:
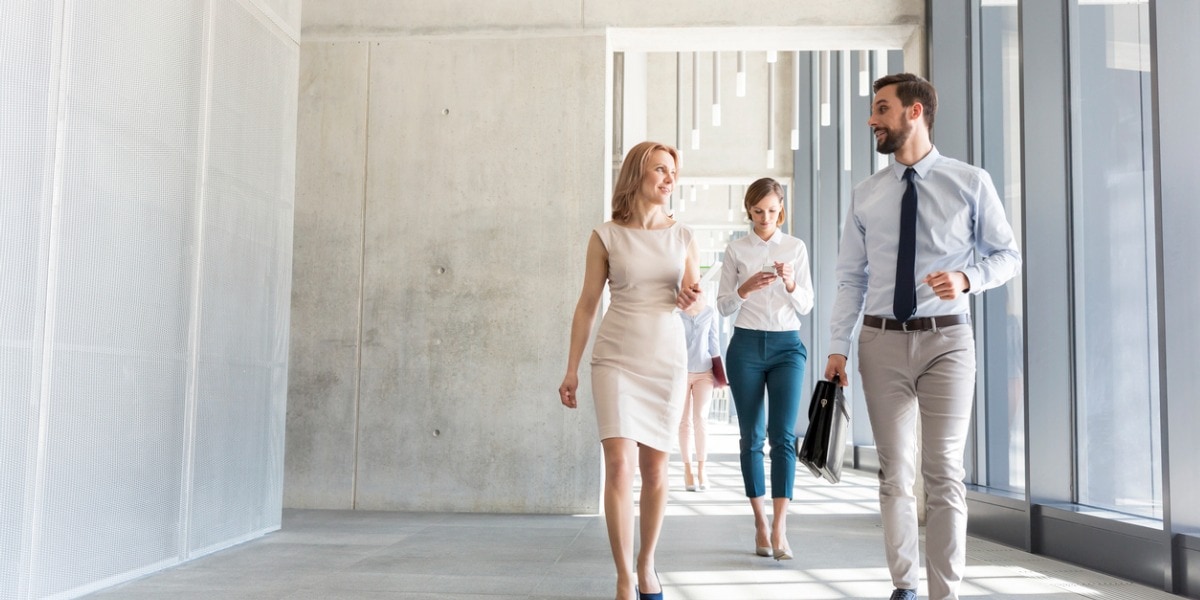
{"points": [[784, 551], [762, 550]]}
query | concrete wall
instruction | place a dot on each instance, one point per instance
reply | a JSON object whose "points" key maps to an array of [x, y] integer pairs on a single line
{"points": [[526, 17], [452, 160]]}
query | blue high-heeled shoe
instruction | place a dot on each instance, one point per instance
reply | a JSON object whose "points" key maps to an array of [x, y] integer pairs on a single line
{"points": [[656, 595]]}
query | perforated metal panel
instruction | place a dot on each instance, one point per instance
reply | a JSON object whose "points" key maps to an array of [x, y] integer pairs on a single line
{"points": [[120, 283], [145, 250], [245, 279], [26, 37], [286, 11]]}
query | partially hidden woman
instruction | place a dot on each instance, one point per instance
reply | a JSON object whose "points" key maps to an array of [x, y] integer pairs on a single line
{"points": [[639, 360], [703, 348], [765, 280]]}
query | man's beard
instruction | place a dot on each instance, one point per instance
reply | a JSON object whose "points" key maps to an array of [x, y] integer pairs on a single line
{"points": [[892, 140]]}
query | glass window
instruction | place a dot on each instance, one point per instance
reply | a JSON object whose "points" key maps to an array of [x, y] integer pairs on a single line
{"points": [[1001, 417], [1117, 407]]}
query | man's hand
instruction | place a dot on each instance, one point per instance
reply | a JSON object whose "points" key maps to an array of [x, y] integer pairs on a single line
{"points": [[947, 286], [836, 367]]}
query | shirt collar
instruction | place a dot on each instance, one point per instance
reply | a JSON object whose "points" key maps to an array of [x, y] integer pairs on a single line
{"points": [[922, 167], [775, 238]]}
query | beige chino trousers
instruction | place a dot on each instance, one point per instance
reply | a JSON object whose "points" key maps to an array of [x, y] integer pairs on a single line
{"points": [[928, 375]]}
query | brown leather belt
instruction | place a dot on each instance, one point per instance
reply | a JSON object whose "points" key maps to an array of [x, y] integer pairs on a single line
{"points": [[916, 324]]}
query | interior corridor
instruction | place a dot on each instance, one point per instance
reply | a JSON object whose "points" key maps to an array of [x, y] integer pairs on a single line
{"points": [[706, 553]]}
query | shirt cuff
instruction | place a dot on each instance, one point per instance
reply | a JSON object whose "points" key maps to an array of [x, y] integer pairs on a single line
{"points": [[972, 274], [733, 300]]}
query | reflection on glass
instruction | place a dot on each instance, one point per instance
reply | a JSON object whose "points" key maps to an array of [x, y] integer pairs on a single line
{"points": [[1002, 414], [1117, 414]]}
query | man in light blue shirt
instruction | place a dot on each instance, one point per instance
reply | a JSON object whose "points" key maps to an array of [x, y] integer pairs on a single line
{"points": [[916, 346]]}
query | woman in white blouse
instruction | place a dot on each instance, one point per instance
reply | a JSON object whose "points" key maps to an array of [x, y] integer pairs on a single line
{"points": [[765, 280]]}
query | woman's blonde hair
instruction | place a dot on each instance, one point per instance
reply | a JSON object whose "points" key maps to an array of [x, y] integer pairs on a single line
{"points": [[630, 177], [761, 189]]}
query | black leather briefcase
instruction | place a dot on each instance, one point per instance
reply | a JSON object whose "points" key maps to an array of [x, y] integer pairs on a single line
{"points": [[825, 441]]}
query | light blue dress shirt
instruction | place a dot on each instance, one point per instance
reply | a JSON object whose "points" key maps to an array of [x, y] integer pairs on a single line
{"points": [[960, 227], [702, 343]]}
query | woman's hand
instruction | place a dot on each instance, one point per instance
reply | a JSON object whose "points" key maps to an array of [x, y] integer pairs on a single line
{"points": [[756, 282], [688, 296], [566, 391], [788, 274]]}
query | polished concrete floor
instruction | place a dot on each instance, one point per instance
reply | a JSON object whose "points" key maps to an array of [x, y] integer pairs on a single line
{"points": [[706, 553]]}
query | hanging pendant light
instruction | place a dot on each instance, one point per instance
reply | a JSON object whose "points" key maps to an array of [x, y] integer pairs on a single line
{"points": [[825, 107], [695, 101], [864, 74], [741, 74], [845, 109], [795, 101], [771, 110], [879, 60], [716, 78], [678, 100]]}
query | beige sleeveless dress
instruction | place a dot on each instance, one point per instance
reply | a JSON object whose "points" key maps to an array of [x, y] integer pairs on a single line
{"points": [[639, 360]]}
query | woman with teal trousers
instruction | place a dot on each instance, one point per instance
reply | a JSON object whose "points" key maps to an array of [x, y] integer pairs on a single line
{"points": [[765, 280]]}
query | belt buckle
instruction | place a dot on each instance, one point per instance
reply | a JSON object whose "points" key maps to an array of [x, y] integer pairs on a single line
{"points": [[904, 326]]}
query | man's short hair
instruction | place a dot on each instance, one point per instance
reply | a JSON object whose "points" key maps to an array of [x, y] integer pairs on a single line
{"points": [[912, 88]]}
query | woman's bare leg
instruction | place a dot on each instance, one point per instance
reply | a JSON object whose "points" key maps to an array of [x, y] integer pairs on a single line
{"points": [[779, 539], [619, 463], [762, 537], [653, 506]]}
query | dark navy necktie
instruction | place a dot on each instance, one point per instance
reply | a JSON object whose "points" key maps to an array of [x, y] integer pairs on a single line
{"points": [[904, 303]]}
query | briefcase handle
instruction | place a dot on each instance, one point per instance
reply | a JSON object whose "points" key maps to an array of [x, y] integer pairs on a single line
{"points": [[815, 403]]}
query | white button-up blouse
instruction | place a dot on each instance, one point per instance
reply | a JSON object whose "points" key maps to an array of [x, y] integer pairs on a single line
{"points": [[771, 308]]}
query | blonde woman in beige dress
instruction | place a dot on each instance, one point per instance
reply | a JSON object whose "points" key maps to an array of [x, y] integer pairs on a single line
{"points": [[639, 360]]}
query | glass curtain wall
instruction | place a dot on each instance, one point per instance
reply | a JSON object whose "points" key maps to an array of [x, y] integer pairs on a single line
{"points": [[1116, 402], [1116, 372], [1002, 411], [1079, 111]]}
